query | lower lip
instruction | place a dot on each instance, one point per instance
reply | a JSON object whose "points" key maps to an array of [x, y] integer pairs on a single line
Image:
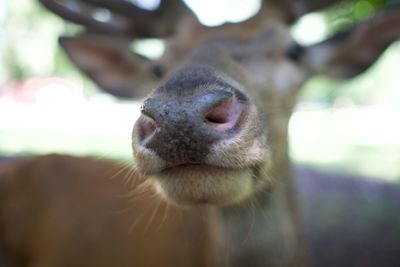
{"points": [[196, 168]]}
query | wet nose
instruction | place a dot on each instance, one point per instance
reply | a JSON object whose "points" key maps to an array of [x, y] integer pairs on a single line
{"points": [[182, 131]]}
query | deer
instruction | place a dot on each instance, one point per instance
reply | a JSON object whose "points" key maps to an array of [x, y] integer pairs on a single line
{"points": [[210, 146]]}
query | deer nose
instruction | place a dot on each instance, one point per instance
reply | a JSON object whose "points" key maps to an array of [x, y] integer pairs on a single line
{"points": [[181, 131]]}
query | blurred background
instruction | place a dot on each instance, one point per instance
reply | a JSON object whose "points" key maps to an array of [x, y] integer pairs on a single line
{"points": [[47, 106]]}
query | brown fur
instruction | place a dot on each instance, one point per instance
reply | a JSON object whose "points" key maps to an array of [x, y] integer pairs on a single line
{"points": [[65, 211]]}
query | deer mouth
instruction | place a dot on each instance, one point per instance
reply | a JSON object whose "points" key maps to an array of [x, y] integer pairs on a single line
{"points": [[226, 176], [194, 184]]}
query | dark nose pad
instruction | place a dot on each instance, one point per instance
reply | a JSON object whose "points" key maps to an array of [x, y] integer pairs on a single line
{"points": [[183, 131]]}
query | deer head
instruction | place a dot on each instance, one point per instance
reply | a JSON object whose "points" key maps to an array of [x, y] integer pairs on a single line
{"points": [[214, 127]]}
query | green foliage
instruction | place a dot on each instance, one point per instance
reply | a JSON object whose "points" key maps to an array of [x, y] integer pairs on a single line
{"points": [[349, 13]]}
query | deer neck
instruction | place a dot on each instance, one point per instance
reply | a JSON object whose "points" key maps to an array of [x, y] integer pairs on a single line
{"points": [[265, 230], [262, 232]]}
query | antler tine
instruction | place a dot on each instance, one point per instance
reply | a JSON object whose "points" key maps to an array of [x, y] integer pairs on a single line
{"points": [[161, 22], [124, 18], [122, 7], [287, 11], [81, 13], [293, 9]]}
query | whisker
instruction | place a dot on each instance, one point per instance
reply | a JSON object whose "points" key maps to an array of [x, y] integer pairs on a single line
{"points": [[128, 177], [135, 223], [152, 216], [133, 176], [104, 156], [164, 219], [121, 169], [143, 186], [150, 194], [252, 222]]}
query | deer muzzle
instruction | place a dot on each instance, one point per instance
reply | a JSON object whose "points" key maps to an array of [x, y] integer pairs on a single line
{"points": [[182, 131]]}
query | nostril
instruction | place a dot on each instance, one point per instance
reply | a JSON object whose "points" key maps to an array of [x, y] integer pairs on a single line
{"points": [[147, 126], [221, 113], [225, 115]]}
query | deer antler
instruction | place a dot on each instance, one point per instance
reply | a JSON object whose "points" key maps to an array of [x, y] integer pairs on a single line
{"points": [[124, 17], [161, 22], [81, 13], [105, 44], [293, 9]]}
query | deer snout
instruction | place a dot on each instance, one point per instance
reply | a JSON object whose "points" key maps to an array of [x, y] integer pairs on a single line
{"points": [[182, 131]]}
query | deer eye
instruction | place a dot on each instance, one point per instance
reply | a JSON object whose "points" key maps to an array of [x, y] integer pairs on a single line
{"points": [[157, 71], [295, 51]]}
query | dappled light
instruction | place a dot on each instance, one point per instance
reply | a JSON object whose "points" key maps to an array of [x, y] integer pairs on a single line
{"points": [[310, 29]]}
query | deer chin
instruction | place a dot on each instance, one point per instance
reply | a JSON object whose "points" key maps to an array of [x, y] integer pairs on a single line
{"points": [[188, 185]]}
